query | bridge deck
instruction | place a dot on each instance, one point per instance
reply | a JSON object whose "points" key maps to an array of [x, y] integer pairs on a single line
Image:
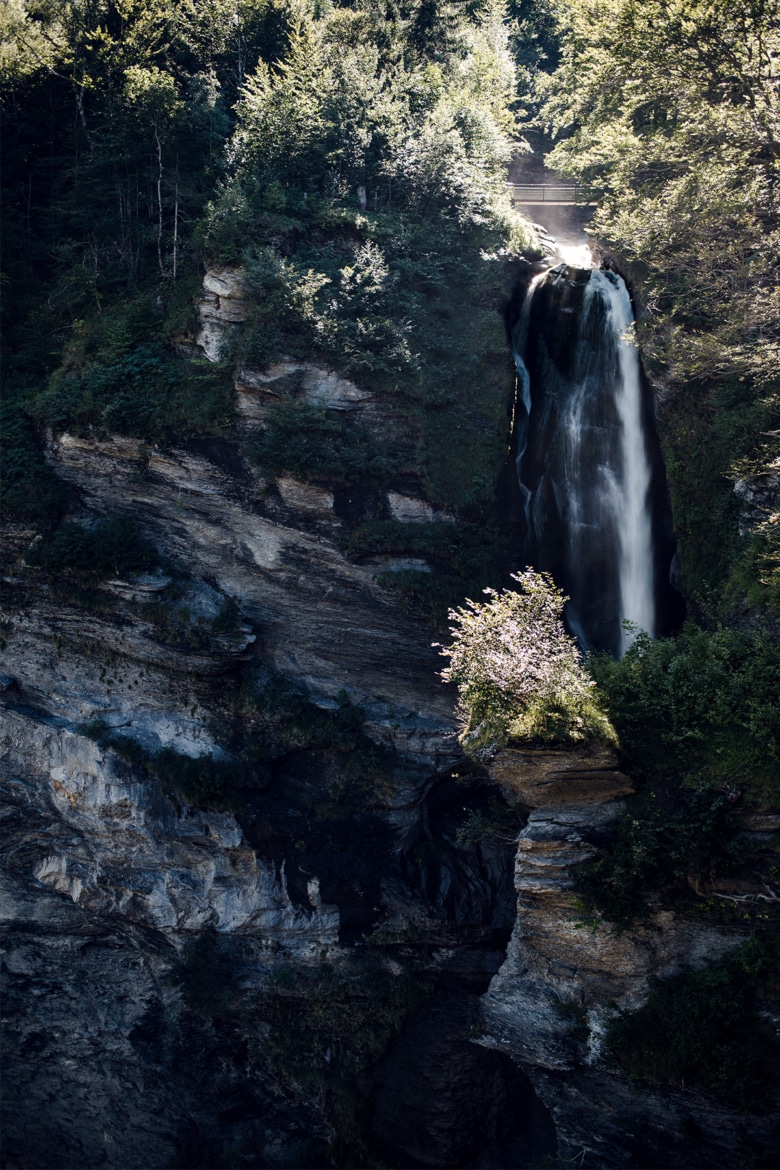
{"points": [[538, 194]]}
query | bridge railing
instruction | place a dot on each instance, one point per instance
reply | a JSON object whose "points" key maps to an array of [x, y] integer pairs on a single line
{"points": [[533, 193]]}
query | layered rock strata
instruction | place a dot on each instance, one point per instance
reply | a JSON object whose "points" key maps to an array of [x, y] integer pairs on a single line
{"points": [[565, 975], [125, 1046]]}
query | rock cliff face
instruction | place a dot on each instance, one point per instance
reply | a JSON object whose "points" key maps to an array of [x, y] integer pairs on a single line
{"points": [[294, 978], [563, 977], [166, 965], [318, 617], [111, 880]]}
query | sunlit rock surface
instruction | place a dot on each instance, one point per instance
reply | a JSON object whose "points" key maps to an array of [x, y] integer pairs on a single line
{"points": [[537, 777], [221, 307], [410, 510], [121, 847]]}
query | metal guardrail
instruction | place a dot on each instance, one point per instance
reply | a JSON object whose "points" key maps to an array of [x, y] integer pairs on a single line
{"points": [[537, 193]]}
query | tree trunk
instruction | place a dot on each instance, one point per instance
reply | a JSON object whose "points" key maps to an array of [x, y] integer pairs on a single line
{"points": [[176, 224], [159, 202]]}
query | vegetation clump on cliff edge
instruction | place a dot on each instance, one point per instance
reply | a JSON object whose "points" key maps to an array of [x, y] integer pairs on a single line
{"points": [[520, 676], [110, 546]]}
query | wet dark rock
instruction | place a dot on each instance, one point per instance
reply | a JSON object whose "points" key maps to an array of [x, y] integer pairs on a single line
{"points": [[439, 1100]]}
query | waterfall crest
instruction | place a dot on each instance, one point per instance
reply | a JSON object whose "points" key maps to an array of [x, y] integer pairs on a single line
{"points": [[583, 460]]}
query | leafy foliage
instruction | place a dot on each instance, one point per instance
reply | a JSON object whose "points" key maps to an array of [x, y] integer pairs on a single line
{"points": [[463, 557], [271, 719], [497, 821], [313, 443], [119, 374], [701, 1030], [348, 308], [275, 719], [180, 617], [29, 491], [112, 545], [364, 198], [198, 780], [519, 674], [247, 132], [668, 840], [697, 717], [703, 707], [337, 113]]}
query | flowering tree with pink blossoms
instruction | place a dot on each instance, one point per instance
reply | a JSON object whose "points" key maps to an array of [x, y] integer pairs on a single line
{"points": [[520, 676]]}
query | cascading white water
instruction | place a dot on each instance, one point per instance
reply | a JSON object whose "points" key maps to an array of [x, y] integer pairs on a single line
{"points": [[582, 456], [633, 501]]}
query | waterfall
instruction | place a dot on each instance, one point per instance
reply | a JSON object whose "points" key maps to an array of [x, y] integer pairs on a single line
{"points": [[582, 453], [633, 502]]}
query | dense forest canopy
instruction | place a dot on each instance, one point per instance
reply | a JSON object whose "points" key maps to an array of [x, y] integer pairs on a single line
{"points": [[124, 122]]}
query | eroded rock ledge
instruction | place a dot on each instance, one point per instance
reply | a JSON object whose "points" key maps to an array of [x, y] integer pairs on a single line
{"points": [[563, 976]]}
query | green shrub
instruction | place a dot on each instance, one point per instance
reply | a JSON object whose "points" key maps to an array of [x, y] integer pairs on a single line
{"points": [[699, 722], [702, 708], [755, 571], [276, 718], [177, 622], [498, 821], [276, 702], [701, 1030], [401, 312], [120, 374], [198, 780], [150, 393], [466, 550], [30, 492], [430, 594], [576, 1017], [341, 300], [312, 443], [465, 557], [667, 841], [111, 546]]}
